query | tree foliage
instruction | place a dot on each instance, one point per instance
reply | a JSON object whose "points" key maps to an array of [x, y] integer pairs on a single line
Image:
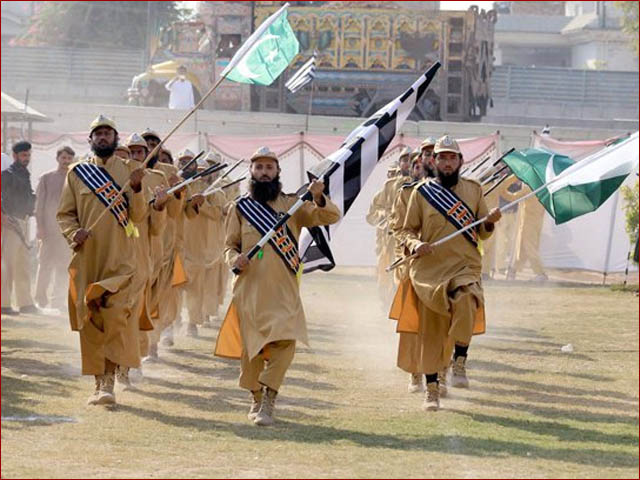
{"points": [[631, 209], [98, 24], [630, 22]]}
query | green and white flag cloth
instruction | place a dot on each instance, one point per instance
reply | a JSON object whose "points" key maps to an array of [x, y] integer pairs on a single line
{"points": [[266, 53], [569, 189]]}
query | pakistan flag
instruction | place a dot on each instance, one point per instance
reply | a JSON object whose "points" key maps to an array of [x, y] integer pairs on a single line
{"points": [[573, 188], [266, 53]]}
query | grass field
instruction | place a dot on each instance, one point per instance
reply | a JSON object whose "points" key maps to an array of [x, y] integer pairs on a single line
{"points": [[344, 411]]}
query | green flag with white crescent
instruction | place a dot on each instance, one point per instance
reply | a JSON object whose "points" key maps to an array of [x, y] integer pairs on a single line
{"points": [[572, 188], [266, 53]]}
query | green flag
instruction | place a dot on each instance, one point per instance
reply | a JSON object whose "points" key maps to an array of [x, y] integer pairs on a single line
{"points": [[569, 189], [266, 53]]}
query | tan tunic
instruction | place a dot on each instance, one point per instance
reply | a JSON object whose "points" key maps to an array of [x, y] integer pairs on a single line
{"points": [[101, 289], [447, 280], [163, 288], [530, 221], [215, 256], [149, 244], [198, 255], [266, 295], [408, 348], [380, 211]]}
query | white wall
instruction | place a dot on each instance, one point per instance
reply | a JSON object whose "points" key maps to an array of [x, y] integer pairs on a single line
{"points": [[616, 55]]}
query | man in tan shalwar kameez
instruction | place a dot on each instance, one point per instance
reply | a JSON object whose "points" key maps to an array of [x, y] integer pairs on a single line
{"points": [[170, 269], [201, 211], [381, 207], [54, 255], [530, 219], [446, 279], [375, 218], [265, 318], [407, 342], [215, 250], [103, 264], [493, 249], [148, 245]]}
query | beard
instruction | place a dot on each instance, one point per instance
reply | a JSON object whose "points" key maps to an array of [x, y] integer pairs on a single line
{"points": [[104, 152], [189, 173], [151, 163], [264, 192], [429, 172], [448, 180]]}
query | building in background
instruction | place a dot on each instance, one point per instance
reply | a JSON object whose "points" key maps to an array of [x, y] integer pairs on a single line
{"points": [[578, 35]]}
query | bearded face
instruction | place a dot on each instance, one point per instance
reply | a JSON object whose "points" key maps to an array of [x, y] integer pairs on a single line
{"points": [[448, 168]]}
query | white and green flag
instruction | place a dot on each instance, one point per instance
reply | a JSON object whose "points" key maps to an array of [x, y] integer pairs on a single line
{"points": [[266, 53], [569, 189]]}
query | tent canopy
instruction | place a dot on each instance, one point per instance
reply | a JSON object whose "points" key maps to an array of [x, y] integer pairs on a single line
{"points": [[15, 111]]}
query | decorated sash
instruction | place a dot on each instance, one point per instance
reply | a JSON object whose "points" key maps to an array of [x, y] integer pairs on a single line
{"points": [[103, 186], [262, 217], [451, 207]]}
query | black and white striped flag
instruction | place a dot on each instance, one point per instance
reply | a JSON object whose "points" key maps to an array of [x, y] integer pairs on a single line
{"points": [[304, 75], [352, 164]]}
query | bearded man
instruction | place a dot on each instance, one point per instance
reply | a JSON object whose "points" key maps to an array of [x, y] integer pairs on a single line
{"points": [[266, 309]]}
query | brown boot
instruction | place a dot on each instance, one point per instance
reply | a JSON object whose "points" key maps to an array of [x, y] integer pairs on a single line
{"points": [[442, 382], [106, 395], [122, 377], [93, 399], [431, 401], [415, 383], [256, 400], [264, 417], [459, 373]]}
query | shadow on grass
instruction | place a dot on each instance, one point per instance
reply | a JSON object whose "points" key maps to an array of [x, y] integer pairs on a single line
{"points": [[556, 413], [561, 432], [534, 389], [290, 431], [502, 367], [19, 395]]}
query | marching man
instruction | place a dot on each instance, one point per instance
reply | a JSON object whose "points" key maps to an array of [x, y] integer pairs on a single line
{"points": [[102, 293], [447, 278], [266, 313]]}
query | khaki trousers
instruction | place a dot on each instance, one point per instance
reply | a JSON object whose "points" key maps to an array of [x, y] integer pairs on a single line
{"points": [[257, 372], [111, 333], [16, 266], [430, 350]]}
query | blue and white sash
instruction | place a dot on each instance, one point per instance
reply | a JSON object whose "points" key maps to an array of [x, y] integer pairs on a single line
{"points": [[451, 207], [262, 217], [103, 186]]}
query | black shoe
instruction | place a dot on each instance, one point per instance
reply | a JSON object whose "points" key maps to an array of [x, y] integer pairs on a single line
{"points": [[31, 309], [9, 311]]}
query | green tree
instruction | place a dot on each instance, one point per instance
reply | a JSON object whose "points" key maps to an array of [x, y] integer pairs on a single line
{"points": [[631, 209], [630, 22], [98, 24]]}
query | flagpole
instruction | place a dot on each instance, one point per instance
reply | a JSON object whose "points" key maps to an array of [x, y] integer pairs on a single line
{"points": [[566, 173], [232, 64], [402, 261], [307, 196], [306, 126]]}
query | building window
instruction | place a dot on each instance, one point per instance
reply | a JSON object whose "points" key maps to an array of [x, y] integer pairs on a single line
{"points": [[228, 45]]}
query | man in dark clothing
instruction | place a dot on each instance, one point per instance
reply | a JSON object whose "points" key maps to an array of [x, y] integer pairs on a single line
{"points": [[18, 202]]}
